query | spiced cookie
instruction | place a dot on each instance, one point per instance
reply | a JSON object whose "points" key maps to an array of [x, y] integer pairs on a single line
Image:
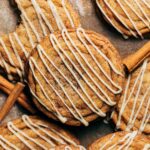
{"points": [[122, 141], [38, 19], [130, 18], [133, 110], [33, 133], [68, 147], [75, 76]]}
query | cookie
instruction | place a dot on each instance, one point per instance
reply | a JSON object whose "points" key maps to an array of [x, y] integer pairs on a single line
{"points": [[122, 141], [33, 133], [38, 19], [133, 110], [130, 18], [75, 76], [68, 147]]}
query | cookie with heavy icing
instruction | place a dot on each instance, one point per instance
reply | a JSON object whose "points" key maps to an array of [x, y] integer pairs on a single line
{"points": [[133, 110], [33, 133], [38, 19], [68, 147], [130, 18], [122, 141], [75, 76]]}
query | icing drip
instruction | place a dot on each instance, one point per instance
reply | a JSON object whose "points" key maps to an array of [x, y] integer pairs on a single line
{"points": [[38, 129], [84, 95], [145, 20], [29, 27], [135, 111]]}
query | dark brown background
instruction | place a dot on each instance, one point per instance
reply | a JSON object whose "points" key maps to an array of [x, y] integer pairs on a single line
{"points": [[90, 20]]}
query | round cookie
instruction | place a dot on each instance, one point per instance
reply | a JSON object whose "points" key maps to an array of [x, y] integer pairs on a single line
{"points": [[130, 18], [120, 141], [38, 19], [133, 110], [33, 133], [68, 147], [75, 76]]}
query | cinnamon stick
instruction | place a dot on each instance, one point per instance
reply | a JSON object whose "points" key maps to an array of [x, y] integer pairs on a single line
{"points": [[11, 100], [7, 87], [132, 61]]}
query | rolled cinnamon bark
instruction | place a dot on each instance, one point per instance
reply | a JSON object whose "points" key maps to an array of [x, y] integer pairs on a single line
{"points": [[133, 60], [12, 98], [7, 88]]}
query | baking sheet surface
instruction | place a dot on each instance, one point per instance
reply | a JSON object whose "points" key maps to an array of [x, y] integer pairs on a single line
{"points": [[90, 20]]}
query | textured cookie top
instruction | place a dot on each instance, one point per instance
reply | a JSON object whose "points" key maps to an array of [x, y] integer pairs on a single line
{"points": [[75, 76], [133, 110], [38, 19], [33, 133], [130, 18], [68, 147], [121, 141]]}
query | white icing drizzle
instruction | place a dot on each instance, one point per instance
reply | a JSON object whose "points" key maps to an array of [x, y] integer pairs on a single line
{"points": [[62, 136], [120, 19], [79, 146], [145, 20], [57, 47], [63, 119], [145, 2], [7, 51], [146, 147], [4, 143], [59, 21], [44, 23], [21, 135], [135, 111], [107, 17], [17, 56], [38, 129], [68, 147], [28, 32], [106, 143], [65, 92], [26, 18], [41, 16], [4, 146], [67, 13], [126, 141], [131, 20], [143, 11]]}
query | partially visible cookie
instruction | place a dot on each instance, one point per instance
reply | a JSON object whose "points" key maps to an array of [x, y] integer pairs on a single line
{"points": [[75, 76], [39, 18], [122, 141], [68, 147], [33, 133], [133, 110], [129, 17]]}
